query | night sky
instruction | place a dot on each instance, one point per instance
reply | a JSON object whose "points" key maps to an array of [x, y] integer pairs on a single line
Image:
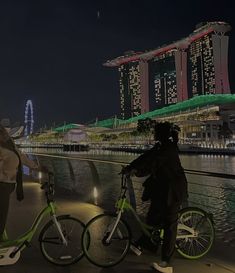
{"points": [[52, 51]]}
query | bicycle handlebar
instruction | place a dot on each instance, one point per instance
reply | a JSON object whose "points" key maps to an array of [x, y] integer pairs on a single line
{"points": [[48, 185]]}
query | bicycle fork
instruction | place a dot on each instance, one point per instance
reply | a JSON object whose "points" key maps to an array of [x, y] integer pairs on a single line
{"points": [[114, 226], [59, 229]]}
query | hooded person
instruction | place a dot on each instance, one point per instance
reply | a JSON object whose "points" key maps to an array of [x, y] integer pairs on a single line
{"points": [[166, 188]]}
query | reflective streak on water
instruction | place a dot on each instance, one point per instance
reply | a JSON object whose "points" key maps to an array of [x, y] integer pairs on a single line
{"points": [[215, 195]]}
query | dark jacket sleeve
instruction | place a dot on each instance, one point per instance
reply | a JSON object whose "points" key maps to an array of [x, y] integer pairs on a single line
{"points": [[143, 164]]}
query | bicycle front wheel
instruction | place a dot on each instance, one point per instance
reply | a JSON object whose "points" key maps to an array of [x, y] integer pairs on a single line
{"points": [[100, 250], [195, 234], [52, 246]]}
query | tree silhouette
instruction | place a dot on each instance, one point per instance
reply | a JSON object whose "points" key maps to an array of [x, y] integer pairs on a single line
{"points": [[145, 126], [224, 131]]}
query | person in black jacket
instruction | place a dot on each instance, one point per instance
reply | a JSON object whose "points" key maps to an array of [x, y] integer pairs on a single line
{"points": [[166, 188]]}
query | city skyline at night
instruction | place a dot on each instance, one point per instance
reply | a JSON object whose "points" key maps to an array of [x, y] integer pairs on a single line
{"points": [[52, 53], [195, 65]]}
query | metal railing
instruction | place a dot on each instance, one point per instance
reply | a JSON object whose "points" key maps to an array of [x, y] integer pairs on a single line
{"points": [[212, 191], [96, 178]]}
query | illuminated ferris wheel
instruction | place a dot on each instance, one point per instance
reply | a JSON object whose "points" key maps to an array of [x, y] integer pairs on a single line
{"points": [[28, 118]]}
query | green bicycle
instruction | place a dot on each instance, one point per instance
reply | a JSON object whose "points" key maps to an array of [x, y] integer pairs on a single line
{"points": [[59, 239], [107, 237]]}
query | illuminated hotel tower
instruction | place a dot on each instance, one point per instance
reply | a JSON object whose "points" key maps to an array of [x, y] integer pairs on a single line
{"points": [[130, 89], [195, 65], [207, 62], [162, 80]]}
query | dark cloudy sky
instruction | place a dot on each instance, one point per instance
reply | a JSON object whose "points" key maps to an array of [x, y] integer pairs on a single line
{"points": [[52, 51]]}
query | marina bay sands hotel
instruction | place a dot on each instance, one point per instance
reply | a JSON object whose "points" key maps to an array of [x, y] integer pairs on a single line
{"points": [[192, 66]]}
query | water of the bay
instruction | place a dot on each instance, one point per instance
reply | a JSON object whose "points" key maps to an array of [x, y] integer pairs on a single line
{"points": [[74, 180]]}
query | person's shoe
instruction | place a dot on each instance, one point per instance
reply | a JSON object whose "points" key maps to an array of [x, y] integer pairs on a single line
{"points": [[163, 267], [136, 249]]}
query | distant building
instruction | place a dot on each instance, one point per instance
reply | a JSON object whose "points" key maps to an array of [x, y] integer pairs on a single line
{"points": [[195, 65], [6, 122], [75, 135], [207, 63], [162, 80], [130, 96], [16, 132], [200, 119]]}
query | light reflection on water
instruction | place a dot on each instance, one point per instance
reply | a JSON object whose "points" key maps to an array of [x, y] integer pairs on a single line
{"points": [[220, 200]]}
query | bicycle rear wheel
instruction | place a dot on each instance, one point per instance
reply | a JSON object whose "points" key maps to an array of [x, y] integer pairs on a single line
{"points": [[99, 251], [51, 243], [195, 234]]}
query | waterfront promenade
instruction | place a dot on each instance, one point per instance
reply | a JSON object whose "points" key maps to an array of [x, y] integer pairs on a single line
{"points": [[219, 260]]}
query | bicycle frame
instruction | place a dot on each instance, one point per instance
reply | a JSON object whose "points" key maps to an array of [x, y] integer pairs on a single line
{"points": [[24, 239], [195, 232], [122, 205]]}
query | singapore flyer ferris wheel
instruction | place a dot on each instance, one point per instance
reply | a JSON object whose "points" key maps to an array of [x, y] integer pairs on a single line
{"points": [[28, 120]]}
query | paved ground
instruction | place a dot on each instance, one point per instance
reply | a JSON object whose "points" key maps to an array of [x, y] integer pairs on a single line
{"points": [[220, 260]]}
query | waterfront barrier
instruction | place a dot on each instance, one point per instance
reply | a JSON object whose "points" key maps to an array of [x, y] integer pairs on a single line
{"points": [[96, 181]]}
